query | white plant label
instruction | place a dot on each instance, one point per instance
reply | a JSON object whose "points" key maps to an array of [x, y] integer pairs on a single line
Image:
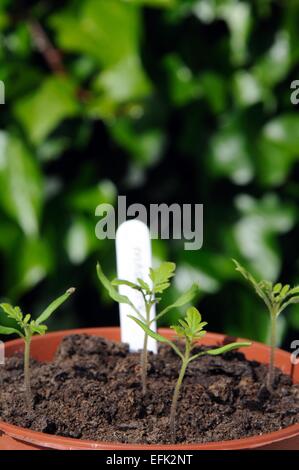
{"points": [[134, 258]]}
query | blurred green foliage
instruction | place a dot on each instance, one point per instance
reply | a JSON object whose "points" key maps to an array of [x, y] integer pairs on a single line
{"points": [[163, 101]]}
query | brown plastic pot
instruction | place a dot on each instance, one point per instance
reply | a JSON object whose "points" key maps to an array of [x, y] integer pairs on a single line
{"points": [[43, 349]]}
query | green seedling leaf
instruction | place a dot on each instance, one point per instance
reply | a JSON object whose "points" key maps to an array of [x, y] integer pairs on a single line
{"points": [[12, 312], [122, 282], [114, 294], [28, 329], [222, 349], [258, 287], [160, 276], [54, 306], [191, 327], [277, 288], [5, 330], [144, 285]]}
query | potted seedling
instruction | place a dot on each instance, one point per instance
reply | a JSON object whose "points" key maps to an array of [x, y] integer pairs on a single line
{"points": [[26, 328], [151, 294], [190, 330], [91, 383], [276, 298]]}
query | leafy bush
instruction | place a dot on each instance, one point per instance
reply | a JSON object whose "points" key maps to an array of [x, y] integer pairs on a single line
{"points": [[164, 101]]}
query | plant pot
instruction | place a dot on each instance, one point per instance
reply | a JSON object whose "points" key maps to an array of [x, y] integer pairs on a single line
{"points": [[43, 349]]}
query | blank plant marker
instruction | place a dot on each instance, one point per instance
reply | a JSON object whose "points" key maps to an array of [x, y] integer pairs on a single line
{"points": [[134, 258]]}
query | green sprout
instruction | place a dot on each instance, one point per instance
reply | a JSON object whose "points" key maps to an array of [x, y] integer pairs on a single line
{"points": [[191, 330], [276, 297], [151, 294], [26, 328]]}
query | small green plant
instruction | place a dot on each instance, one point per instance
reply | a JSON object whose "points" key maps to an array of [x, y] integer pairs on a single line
{"points": [[26, 328], [277, 298], [191, 330], [160, 281]]}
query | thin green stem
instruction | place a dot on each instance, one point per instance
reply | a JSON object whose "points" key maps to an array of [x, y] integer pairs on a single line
{"points": [[144, 364], [270, 377], [144, 354], [28, 394], [173, 410]]}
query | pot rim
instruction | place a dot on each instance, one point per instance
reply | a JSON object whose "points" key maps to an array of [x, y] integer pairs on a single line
{"points": [[59, 442]]}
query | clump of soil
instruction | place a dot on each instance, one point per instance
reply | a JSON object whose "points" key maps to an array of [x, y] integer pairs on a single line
{"points": [[92, 391]]}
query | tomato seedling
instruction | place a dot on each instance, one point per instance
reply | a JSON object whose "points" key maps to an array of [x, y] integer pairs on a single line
{"points": [[151, 294], [191, 330], [26, 328], [277, 298]]}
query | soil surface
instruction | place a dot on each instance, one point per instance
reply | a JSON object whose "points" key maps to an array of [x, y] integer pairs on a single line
{"points": [[92, 391]]}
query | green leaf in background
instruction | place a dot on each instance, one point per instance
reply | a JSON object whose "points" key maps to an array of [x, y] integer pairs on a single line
{"points": [[257, 230], [124, 81], [145, 147], [108, 31], [276, 62], [42, 111], [239, 20], [183, 87], [274, 162], [87, 199], [20, 184], [80, 241], [247, 89], [283, 131], [230, 156], [34, 263], [162, 100]]}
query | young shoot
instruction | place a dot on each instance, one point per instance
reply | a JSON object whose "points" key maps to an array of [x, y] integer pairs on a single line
{"points": [[191, 330], [277, 298], [151, 293], [26, 328]]}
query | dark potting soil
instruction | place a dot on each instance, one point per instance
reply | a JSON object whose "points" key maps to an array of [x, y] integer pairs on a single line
{"points": [[92, 391]]}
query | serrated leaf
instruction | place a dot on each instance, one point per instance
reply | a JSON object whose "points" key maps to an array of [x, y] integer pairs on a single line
{"points": [[58, 96], [36, 328], [12, 312], [54, 306], [161, 275]]}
